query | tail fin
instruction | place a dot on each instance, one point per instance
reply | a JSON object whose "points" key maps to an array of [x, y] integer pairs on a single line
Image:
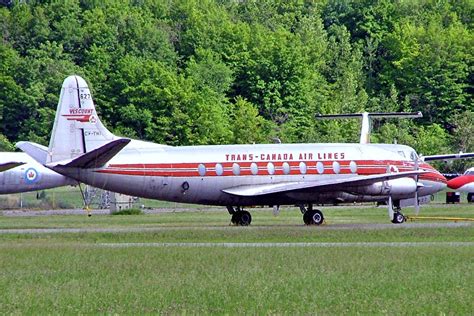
{"points": [[77, 128]]}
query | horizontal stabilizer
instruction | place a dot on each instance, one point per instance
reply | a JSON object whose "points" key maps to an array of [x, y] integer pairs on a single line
{"points": [[372, 114], [365, 128], [448, 156], [340, 184], [10, 165], [99, 156], [36, 151]]}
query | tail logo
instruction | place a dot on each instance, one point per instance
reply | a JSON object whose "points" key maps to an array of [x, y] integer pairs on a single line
{"points": [[80, 115]]}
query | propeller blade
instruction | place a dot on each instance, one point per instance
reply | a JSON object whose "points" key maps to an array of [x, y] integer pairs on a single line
{"points": [[390, 207], [417, 203]]}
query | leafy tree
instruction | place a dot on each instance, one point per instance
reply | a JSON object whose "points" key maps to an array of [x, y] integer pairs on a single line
{"points": [[430, 63], [205, 72], [246, 124], [5, 144]]}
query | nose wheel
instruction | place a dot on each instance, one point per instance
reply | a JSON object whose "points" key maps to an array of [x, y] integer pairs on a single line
{"points": [[394, 212], [398, 218]]}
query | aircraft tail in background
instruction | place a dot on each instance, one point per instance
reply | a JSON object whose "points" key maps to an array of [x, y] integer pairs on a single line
{"points": [[366, 116]]}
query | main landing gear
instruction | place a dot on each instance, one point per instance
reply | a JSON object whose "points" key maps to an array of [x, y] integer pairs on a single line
{"points": [[239, 216], [311, 216]]}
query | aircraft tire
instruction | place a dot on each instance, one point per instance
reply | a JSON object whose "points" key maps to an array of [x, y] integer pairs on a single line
{"points": [[241, 218], [398, 218], [235, 219], [245, 218], [307, 217], [313, 217]]}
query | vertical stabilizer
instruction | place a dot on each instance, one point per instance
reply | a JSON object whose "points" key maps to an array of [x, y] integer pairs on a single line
{"points": [[365, 129], [77, 128]]}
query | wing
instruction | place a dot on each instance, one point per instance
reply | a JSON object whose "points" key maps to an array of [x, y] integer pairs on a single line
{"points": [[9, 165], [448, 156], [270, 188]]}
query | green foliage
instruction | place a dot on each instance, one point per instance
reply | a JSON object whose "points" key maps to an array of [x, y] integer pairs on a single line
{"points": [[5, 145], [214, 72], [247, 125], [129, 211]]}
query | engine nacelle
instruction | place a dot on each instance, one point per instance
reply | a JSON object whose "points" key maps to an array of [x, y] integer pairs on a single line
{"points": [[401, 186]]}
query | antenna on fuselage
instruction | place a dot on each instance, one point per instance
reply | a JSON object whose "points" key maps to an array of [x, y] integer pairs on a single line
{"points": [[366, 126]]}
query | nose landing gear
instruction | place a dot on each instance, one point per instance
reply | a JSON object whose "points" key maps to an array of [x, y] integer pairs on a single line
{"points": [[394, 213], [398, 218]]}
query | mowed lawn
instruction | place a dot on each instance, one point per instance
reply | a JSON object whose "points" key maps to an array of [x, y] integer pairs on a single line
{"points": [[366, 269]]}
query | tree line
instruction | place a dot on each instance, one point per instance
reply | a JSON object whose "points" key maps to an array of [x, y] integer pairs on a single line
{"points": [[190, 72]]}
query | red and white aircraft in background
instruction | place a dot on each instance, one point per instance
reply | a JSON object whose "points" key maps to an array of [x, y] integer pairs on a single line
{"points": [[463, 183], [21, 173], [234, 176]]}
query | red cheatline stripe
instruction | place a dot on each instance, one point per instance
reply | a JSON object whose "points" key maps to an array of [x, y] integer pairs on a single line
{"points": [[190, 169], [458, 182]]}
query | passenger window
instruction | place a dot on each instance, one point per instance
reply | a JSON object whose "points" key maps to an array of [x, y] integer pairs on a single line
{"points": [[202, 170], [254, 168], [270, 168], [303, 168], [320, 167], [219, 169], [236, 169], [286, 168], [353, 166]]}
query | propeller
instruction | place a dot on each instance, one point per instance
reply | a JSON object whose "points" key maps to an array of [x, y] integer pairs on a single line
{"points": [[418, 185]]}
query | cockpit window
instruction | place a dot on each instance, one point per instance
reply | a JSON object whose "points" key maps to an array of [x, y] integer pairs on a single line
{"points": [[469, 173], [401, 153], [413, 156]]}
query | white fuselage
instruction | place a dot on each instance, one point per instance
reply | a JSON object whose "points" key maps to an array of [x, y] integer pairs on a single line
{"points": [[198, 174], [31, 176]]}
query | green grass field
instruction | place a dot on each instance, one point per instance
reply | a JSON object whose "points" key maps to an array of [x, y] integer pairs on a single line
{"points": [[85, 272]]}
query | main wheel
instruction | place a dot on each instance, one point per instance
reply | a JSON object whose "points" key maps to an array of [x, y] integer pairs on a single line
{"points": [[245, 218], [313, 217], [398, 218], [307, 217], [241, 218], [235, 219]]}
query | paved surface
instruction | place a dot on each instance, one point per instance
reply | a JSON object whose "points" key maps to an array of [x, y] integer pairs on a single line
{"points": [[287, 245], [20, 213], [135, 229]]}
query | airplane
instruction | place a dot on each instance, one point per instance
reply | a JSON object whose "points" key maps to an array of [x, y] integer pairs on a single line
{"points": [[463, 183], [21, 173], [234, 176]]}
